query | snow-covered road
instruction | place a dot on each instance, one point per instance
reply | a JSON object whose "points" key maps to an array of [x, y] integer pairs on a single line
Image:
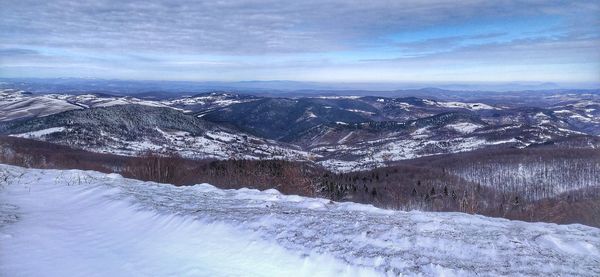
{"points": [[77, 223]]}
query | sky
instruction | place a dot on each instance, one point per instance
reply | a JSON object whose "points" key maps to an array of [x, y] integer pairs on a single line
{"points": [[309, 40]]}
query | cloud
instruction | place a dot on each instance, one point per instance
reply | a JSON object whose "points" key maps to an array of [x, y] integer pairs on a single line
{"points": [[539, 50], [443, 44], [238, 27], [17, 52], [287, 39]]}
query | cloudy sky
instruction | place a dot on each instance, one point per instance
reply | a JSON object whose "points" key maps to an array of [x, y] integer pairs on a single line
{"points": [[326, 41]]}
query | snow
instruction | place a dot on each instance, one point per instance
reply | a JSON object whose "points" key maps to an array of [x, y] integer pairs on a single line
{"points": [[360, 111], [19, 106], [213, 100], [214, 144], [92, 100], [376, 153], [580, 118], [460, 105], [340, 165], [40, 133], [81, 223], [340, 97], [464, 127], [404, 106], [421, 133], [346, 137], [571, 131], [124, 240], [512, 140], [501, 129]]}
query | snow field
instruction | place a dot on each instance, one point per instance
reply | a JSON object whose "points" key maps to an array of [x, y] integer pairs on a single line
{"points": [[77, 223], [84, 231]]}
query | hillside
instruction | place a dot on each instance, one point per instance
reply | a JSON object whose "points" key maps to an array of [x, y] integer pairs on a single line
{"points": [[135, 129]]}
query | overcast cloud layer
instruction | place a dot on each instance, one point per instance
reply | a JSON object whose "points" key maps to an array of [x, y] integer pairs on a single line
{"points": [[347, 41]]}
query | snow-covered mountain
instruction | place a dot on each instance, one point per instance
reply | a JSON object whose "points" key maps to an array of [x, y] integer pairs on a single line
{"points": [[82, 223], [343, 133], [16, 104], [134, 129]]}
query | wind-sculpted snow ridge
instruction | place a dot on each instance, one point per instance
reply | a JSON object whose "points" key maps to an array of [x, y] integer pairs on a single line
{"points": [[77, 223]]}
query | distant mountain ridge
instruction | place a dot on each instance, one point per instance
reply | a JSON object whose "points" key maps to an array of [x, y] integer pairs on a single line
{"points": [[170, 89]]}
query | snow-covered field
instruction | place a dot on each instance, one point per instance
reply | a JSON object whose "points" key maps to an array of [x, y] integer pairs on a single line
{"points": [[78, 223]]}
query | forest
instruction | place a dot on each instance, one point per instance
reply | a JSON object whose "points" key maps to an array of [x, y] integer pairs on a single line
{"points": [[539, 184]]}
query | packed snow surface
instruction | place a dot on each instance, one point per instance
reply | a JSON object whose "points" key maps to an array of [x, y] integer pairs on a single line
{"points": [[80, 223]]}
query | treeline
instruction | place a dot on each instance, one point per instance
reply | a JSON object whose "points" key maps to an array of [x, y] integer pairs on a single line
{"points": [[39, 154], [531, 173], [287, 177], [408, 187], [404, 188], [552, 184]]}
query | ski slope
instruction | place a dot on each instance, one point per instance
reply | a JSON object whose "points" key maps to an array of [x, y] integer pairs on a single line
{"points": [[82, 223]]}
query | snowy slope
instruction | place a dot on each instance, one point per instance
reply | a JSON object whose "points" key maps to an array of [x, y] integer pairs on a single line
{"points": [[76, 223], [132, 129], [17, 105]]}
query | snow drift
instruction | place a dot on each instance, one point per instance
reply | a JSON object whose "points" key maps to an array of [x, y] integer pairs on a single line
{"points": [[80, 223]]}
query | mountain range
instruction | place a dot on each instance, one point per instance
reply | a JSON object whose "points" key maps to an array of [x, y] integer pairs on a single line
{"points": [[341, 133]]}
